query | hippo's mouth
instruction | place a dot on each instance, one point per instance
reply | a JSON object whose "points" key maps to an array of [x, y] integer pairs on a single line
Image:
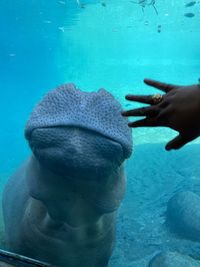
{"points": [[76, 151], [76, 131]]}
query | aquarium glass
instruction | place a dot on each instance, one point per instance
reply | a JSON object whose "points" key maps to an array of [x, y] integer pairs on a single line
{"points": [[114, 45]]}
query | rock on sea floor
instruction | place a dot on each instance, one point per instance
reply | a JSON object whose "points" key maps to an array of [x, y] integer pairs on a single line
{"points": [[173, 259], [183, 215]]}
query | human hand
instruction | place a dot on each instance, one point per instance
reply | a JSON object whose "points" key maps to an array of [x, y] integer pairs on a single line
{"points": [[178, 109]]}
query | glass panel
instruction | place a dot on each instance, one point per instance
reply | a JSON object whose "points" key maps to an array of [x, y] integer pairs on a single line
{"points": [[99, 44]]}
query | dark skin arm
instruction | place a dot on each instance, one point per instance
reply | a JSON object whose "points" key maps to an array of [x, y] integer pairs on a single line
{"points": [[179, 109]]}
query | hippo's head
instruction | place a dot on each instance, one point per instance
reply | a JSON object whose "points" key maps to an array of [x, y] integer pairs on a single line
{"points": [[75, 131], [79, 135]]}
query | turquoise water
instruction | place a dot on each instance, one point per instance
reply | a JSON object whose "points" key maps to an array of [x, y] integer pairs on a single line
{"points": [[114, 46]]}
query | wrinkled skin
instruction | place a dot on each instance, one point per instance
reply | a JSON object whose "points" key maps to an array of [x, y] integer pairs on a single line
{"points": [[179, 110], [60, 206]]}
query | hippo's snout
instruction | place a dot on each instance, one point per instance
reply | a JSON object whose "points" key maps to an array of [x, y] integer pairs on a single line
{"points": [[69, 116]]}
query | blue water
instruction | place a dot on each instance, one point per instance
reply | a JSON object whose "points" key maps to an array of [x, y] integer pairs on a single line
{"points": [[47, 43]]}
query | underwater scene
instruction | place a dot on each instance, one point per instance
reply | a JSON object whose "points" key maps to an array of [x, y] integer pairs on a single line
{"points": [[125, 201]]}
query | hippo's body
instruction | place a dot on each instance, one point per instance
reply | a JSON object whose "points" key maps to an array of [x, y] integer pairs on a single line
{"points": [[61, 205]]}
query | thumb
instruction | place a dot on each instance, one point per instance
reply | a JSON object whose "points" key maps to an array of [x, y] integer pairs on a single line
{"points": [[177, 142]]}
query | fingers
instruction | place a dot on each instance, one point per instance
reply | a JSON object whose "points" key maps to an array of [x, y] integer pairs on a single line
{"points": [[144, 111], [145, 99], [165, 114], [178, 142], [148, 122], [160, 85]]}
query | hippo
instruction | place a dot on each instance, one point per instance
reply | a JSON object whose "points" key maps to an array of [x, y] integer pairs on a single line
{"points": [[60, 206]]}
